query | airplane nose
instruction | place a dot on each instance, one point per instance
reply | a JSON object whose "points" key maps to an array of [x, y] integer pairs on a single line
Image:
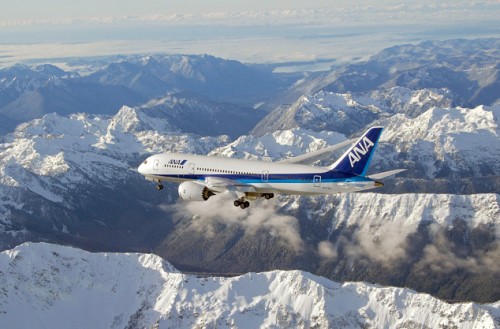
{"points": [[142, 168]]}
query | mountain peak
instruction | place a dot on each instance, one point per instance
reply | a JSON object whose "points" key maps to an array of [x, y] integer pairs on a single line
{"points": [[64, 286]]}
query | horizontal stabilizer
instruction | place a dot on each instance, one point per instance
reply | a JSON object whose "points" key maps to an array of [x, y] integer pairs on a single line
{"points": [[310, 155], [386, 174]]}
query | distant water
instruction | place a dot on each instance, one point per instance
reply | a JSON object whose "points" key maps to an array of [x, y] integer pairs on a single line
{"points": [[313, 48]]}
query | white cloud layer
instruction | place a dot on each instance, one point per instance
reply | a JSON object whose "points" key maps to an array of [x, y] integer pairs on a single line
{"points": [[354, 13], [262, 214], [269, 34]]}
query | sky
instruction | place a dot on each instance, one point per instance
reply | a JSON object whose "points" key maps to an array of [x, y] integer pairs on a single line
{"points": [[30, 10], [256, 31]]}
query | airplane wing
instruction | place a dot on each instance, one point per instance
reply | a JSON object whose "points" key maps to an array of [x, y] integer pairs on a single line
{"points": [[220, 185], [310, 155], [386, 174]]}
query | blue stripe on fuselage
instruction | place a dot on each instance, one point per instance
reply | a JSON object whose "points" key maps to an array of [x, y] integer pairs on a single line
{"points": [[326, 177]]}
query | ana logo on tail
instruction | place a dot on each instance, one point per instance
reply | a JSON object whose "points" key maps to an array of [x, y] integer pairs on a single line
{"points": [[359, 150]]}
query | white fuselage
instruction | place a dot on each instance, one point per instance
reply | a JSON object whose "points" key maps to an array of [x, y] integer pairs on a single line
{"points": [[265, 177]]}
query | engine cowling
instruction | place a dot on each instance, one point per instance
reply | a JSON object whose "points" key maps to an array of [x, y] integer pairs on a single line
{"points": [[192, 191]]}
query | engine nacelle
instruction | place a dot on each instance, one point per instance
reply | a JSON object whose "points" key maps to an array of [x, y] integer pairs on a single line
{"points": [[192, 191]]}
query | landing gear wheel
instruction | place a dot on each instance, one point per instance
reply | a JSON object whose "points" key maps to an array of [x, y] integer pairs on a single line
{"points": [[241, 203], [159, 187]]}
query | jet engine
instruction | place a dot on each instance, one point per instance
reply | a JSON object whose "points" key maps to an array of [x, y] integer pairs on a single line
{"points": [[192, 191]]}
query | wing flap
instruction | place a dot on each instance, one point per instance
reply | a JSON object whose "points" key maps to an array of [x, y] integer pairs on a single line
{"points": [[220, 185]]}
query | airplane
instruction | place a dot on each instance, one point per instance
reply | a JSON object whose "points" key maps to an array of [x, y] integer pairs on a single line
{"points": [[202, 177]]}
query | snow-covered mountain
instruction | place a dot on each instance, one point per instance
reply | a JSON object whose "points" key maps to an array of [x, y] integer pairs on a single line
{"points": [[459, 142], [71, 179], [278, 145], [66, 174], [59, 287], [468, 68], [194, 114], [52, 155], [423, 133], [348, 113], [21, 79], [432, 243], [29, 92], [214, 78], [82, 146]]}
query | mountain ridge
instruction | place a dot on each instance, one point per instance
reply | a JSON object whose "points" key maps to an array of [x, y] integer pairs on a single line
{"points": [[71, 179], [70, 287], [82, 168]]}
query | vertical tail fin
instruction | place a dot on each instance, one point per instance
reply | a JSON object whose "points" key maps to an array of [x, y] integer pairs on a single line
{"points": [[357, 159]]}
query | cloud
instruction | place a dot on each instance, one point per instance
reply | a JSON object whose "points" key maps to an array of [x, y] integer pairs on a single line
{"points": [[262, 214], [385, 244], [388, 245], [341, 15], [372, 234], [343, 32], [441, 257], [327, 250]]}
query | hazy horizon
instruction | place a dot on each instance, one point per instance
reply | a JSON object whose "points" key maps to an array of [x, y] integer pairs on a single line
{"points": [[251, 33]]}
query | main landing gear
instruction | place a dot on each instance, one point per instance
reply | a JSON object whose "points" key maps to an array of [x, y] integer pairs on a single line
{"points": [[268, 195], [242, 203]]}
